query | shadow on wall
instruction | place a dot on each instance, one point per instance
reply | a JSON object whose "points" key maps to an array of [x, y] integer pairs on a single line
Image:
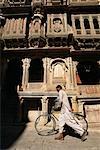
{"points": [[11, 129]]}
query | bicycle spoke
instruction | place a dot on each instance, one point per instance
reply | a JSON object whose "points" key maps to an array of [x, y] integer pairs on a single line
{"points": [[45, 125]]}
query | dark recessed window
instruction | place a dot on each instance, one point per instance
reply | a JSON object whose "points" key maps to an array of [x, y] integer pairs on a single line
{"points": [[77, 24], [86, 24], [36, 71]]}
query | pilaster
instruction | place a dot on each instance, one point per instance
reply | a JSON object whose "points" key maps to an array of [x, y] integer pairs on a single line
{"points": [[44, 101], [25, 77]]}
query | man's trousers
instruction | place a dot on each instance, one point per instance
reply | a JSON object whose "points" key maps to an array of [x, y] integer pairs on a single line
{"points": [[68, 118]]}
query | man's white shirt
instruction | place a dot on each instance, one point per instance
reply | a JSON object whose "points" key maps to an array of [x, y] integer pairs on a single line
{"points": [[63, 98]]}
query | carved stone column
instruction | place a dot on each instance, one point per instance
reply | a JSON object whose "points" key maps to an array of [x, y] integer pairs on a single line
{"points": [[49, 72], [75, 63], [74, 104], [25, 77], [44, 101], [71, 82]]}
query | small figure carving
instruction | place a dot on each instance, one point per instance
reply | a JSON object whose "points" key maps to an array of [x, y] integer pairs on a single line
{"points": [[57, 25]]}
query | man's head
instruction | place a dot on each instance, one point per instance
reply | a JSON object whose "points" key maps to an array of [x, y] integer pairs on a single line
{"points": [[58, 88]]}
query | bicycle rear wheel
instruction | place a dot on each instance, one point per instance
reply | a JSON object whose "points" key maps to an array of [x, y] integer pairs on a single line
{"points": [[80, 119], [45, 125]]}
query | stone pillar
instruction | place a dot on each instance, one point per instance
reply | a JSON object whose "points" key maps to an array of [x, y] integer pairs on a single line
{"points": [[71, 73], [74, 104], [75, 63], [44, 101], [49, 73], [80, 107], [25, 77]]}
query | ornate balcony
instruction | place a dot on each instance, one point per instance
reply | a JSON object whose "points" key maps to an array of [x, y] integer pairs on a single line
{"points": [[86, 25], [15, 32], [86, 29], [37, 31]]}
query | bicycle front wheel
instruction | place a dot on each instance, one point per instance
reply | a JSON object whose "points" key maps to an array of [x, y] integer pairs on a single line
{"points": [[45, 125], [80, 119]]}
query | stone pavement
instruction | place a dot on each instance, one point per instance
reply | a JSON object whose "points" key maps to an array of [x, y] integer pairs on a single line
{"points": [[28, 139]]}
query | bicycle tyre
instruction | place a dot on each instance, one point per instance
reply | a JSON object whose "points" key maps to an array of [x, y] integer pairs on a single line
{"points": [[45, 125], [80, 119]]}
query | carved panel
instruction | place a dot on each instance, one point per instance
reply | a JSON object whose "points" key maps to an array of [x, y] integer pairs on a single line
{"points": [[85, 2], [36, 28], [89, 89], [15, 29], [56, 25], [37, 2], [86, 25]]}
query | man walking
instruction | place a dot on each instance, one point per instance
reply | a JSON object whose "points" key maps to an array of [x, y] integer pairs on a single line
{"points": [[66, 116]]}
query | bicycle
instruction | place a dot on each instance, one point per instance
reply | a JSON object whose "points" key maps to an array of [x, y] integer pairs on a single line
{"points": [[46, 124]]}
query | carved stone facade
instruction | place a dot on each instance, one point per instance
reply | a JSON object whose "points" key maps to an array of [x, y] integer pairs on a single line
{"points": [[57, 42]]}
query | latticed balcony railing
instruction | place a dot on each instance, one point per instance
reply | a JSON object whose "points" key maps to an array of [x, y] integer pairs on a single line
{"points": [[14, 2], [55, 2], [89, 90], [86, 25]]}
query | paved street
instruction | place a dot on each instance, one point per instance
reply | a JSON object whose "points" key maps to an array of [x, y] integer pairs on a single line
{"points": [[26, 138]]}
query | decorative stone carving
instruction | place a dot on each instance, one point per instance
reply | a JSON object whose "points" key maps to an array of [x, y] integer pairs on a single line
{"points": [[57, 25], [44, 101], [57, 29], [15, 32], [37, 2]]}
